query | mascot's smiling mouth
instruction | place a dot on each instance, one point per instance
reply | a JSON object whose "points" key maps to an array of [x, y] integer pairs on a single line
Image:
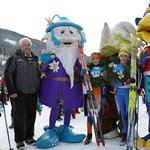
{"points": [[67, 43]]}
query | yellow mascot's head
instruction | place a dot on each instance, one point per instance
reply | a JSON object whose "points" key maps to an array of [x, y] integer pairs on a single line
{"points": [[143, 30]]}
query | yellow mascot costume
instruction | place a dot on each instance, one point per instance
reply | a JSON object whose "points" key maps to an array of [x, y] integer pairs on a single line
{"points": [[143, 33]]}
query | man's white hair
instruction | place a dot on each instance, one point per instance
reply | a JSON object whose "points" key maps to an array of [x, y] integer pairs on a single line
{"points": [[23, 40]]}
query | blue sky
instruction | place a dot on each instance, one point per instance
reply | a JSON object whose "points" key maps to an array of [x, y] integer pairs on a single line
{"points": [[27, 17]]}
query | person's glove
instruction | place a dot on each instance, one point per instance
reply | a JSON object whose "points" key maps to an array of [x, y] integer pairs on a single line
{"points": [[82, 72], [141, 67], [144, 57], [103, 101], [4, 98], [130, 80]]}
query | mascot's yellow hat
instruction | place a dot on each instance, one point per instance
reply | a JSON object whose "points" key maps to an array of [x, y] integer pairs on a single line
{"points": [[124, 51]]}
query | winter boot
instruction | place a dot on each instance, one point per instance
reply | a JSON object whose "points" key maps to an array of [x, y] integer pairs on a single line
{"points": [[12, 124], [124, 139], [88, 139], [66, 135], [20, 145], [49, 139], [31, 141]]}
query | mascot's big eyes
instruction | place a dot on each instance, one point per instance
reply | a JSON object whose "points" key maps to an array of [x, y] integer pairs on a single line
{"points": [[71, 32], [61, 31]]}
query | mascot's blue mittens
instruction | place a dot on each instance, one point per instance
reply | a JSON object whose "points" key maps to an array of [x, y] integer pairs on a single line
{"points": [[49, 139], [143, 57], [66, 135], [46, 58]]}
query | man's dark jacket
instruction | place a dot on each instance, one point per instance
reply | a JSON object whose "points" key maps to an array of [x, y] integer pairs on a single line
{"points": [[22, 73]]}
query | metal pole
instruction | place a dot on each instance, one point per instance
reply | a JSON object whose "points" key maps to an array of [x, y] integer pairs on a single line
{"points": [[7, 127]]}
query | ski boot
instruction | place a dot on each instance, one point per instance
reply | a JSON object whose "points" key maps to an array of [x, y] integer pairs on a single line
{"points": [[88, 139], [124, 139]]}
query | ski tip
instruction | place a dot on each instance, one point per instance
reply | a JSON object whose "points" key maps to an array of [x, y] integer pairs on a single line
{"points": [[81, 50]]}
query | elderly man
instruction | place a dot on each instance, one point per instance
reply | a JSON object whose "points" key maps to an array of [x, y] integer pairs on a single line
{"points": [[22, 79]]}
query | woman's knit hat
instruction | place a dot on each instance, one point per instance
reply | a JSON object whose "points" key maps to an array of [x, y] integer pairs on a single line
{"points": [[124, 51]]}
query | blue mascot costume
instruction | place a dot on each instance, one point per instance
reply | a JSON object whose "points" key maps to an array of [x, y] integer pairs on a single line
{"points": [[61, 80]]}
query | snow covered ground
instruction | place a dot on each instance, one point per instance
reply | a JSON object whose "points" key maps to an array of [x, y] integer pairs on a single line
{"points": [[80, 127]]}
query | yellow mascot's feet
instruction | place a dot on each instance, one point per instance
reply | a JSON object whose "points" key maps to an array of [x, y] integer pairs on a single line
{"points": [[147, 145], [140, 143]]}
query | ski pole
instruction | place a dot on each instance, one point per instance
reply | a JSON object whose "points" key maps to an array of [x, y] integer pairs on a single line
{"points": [[7, 127], [139, 83]]}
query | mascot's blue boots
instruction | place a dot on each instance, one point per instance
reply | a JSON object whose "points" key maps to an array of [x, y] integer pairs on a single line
{"points": [[66, 135], [49, 139], [52, 137]]}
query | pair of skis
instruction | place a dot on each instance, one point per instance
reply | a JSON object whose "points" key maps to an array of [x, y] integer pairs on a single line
{"points": [[91, 102], [132, 97]]}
